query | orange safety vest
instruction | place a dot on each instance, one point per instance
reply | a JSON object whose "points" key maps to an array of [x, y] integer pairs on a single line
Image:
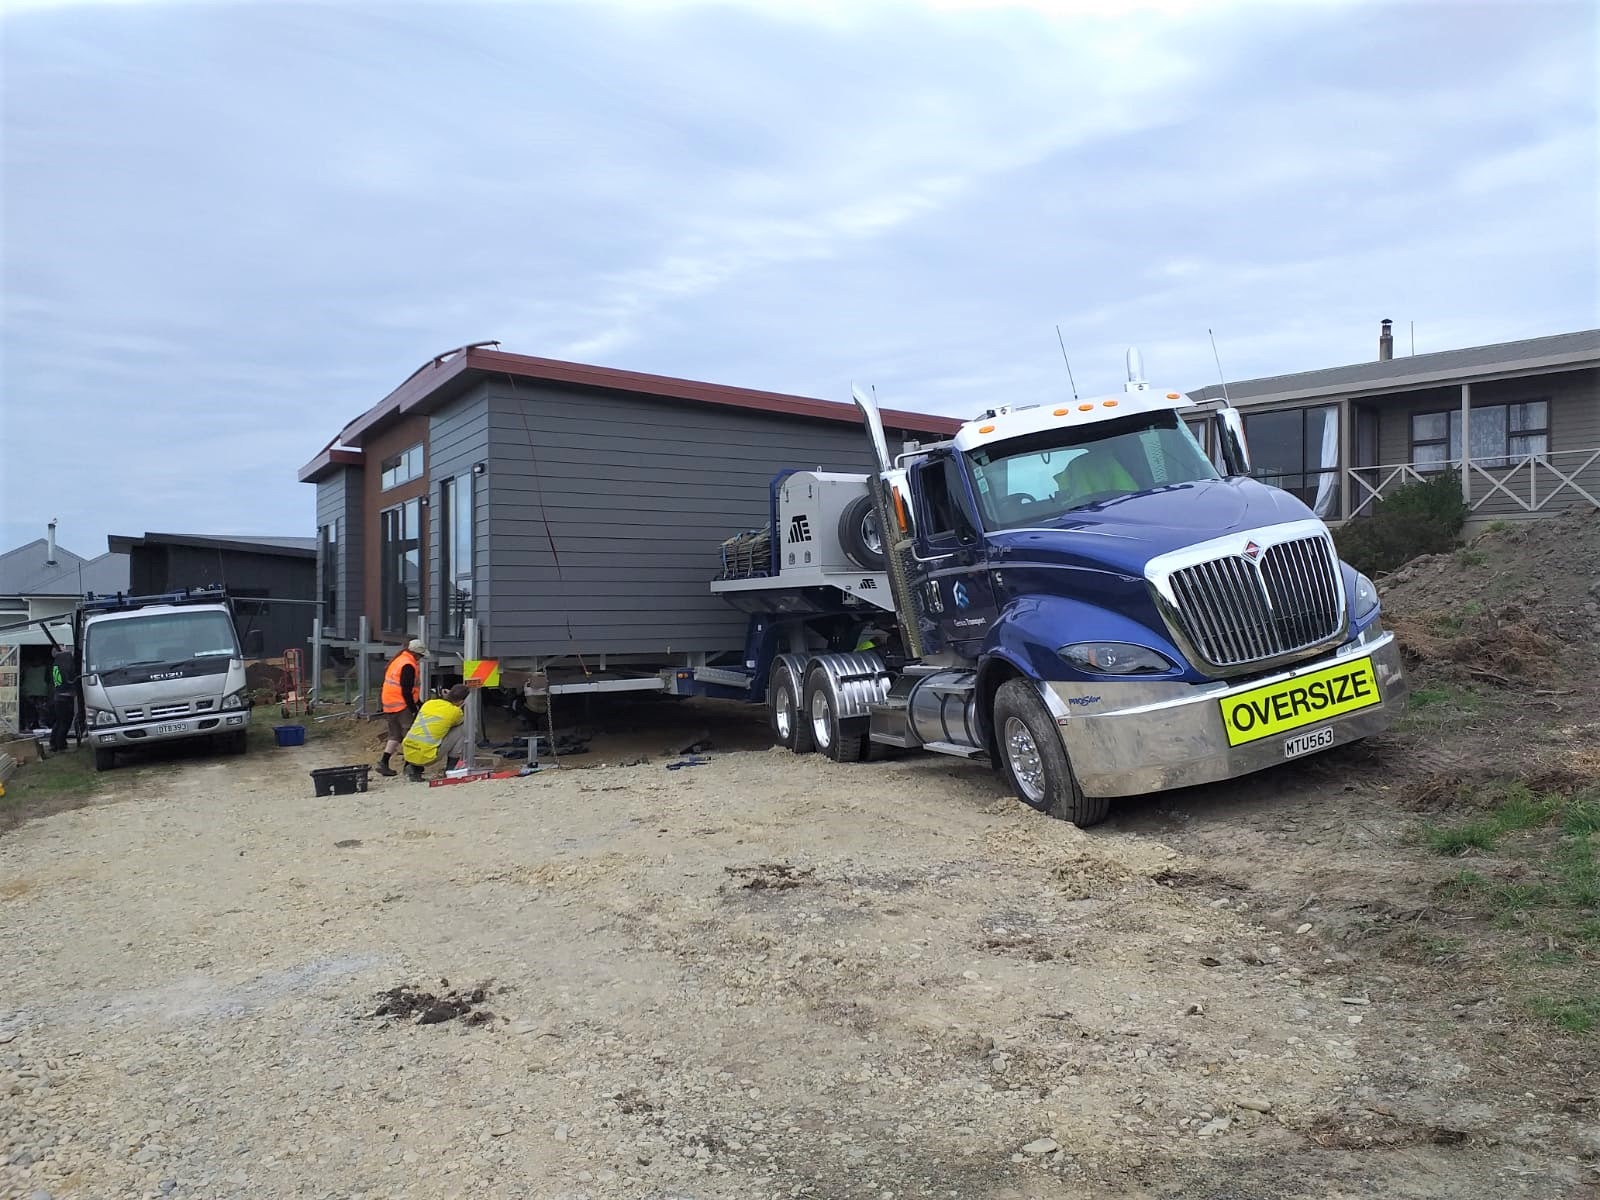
{"points": [[394, 699]]}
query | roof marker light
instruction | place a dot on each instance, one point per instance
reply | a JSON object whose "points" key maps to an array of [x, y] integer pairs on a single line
{"points": [[1061, 412], [985, 428], [1109, 403], [1174, 396], [1085, 407]]}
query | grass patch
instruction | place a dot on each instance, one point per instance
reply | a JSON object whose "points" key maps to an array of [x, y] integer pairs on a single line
{"points": [[1471, 558], [1457, 840], [1550, 904], [1577, 1014], [60, 776]]}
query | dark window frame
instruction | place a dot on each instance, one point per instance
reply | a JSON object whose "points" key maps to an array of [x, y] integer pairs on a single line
{"points": [[399, 535], [456, 563], [328, 539], [402, 468], [1452, 432], [1310, 477]]}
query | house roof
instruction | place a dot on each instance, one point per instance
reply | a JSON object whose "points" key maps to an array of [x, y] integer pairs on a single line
{"points": [[24, 572], [1558, 352], [281, 547], [447, 376]]}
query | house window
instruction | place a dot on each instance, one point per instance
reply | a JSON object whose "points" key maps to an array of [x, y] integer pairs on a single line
{"points": [[400, 555], [401, 468], [455, 553], [328, 565], [1502, 434], [1298, 451]]}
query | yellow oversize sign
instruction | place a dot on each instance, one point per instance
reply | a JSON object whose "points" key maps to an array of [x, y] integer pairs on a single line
{"points": [[1280, 707]]}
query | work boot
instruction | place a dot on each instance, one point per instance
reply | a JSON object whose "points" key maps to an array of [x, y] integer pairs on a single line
{"points": [[384, 768], [450, 764], [413, 773]]}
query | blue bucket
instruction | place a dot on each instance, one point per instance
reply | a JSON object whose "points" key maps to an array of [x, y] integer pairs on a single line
{"points": [[290, 735]]}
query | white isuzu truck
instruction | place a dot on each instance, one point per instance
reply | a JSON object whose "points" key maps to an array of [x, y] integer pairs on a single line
{"points": [[159, 669]]}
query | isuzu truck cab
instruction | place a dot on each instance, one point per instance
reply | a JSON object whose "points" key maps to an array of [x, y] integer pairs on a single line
{"points": [[1076, 592], [159, 669]]}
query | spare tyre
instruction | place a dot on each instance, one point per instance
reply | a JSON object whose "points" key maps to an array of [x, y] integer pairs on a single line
{"points": [[860, 536]]}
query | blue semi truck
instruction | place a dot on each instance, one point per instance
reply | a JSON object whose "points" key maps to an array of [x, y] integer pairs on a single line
{"points": [[1077, 593]]}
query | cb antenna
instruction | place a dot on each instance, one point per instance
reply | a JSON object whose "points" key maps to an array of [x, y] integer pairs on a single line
{"points": [[1220, 375], [1068, 361]]}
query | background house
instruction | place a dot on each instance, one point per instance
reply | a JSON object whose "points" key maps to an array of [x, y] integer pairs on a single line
{"points": [[253, 569], [1520, 420], [571, 509], [40, 580]]}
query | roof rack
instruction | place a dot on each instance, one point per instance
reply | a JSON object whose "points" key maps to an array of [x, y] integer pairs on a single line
{"points": [[213, 593]]}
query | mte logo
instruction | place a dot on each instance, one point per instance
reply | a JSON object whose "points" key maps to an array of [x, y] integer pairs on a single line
{"points": [[800, 528], [958, 593], [868, 584]]}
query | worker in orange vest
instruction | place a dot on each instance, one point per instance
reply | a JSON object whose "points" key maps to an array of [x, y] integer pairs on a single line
{"points": [[401, 683]]}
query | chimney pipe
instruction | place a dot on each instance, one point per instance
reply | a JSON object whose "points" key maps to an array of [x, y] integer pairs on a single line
{"points": [[50, 545], [1385, 340]]}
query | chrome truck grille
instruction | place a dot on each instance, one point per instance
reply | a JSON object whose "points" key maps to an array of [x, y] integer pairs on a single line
{"points": [[1260, 603]]}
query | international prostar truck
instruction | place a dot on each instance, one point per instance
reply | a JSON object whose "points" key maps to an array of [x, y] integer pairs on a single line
{"points": [[1074, 592]]}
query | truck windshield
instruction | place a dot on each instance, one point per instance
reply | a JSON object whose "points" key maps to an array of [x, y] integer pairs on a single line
{"points": [[172, 637], [1029, 479]]}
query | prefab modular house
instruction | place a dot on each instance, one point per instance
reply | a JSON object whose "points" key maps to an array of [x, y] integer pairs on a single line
{"points": [[575, 513]]}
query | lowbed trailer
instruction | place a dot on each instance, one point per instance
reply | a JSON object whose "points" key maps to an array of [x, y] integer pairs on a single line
{"points": [[1074, 593]]}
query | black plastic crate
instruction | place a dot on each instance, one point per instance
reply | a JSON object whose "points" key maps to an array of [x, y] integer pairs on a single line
{"points": [[340, 781]]}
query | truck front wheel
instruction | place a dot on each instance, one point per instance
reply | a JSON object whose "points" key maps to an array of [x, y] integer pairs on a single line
{"points": [[104, 760], [1035, 761], [788, 725]]}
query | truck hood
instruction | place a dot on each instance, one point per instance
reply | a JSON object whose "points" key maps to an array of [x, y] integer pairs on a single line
{"points": [[1122, 535]]}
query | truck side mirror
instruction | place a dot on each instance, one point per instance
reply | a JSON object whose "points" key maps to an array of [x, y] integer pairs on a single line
{"points": [[1231, 442]]}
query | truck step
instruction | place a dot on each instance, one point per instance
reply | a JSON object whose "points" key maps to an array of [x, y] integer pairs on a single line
{"points": [[722, 677], [889, 706], [956, 748], [891, 739]]}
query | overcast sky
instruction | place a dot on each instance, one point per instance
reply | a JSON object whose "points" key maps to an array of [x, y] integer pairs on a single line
{"points": [[229, 228]]}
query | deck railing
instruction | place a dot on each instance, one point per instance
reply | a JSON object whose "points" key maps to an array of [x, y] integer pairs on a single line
{"points": [[1530, 482]]}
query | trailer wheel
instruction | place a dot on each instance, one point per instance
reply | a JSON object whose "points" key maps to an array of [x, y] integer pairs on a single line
{"points": [[788, 724], [860, 536], [1035, 761], [832, 739], [104, 760]]}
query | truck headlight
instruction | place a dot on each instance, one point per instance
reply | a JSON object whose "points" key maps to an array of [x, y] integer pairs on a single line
{"points": [[233, 700], [99, 716], [1365, 599], [1116, 658]]}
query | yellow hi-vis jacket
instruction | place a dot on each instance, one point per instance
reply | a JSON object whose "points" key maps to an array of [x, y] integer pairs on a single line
{"points": [[437, 718]]}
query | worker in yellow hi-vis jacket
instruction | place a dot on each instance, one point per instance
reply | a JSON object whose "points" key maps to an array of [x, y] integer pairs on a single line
{"points": [[437, 730]]}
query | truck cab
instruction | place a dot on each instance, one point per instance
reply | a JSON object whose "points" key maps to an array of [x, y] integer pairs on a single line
{"points": [[159, 669], [1088, 600]]}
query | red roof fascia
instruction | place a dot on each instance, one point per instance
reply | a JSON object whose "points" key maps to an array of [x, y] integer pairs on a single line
{"points": [[551, 370], [326, 461]]}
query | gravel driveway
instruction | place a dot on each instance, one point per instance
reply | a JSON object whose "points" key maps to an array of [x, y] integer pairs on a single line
{"points": [[761, 977]]}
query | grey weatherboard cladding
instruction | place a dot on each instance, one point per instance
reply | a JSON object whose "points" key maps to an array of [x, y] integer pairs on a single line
{"points": [[633, 497], [339, 499]]}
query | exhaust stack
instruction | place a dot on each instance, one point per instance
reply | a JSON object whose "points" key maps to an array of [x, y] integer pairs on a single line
{"points": [[1385, 340], [50, 544], [895, 544]]}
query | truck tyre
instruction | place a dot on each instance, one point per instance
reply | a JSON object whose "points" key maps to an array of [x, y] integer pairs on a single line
{"points": [[1035, 761], [104, 760], [784, 714], [235, 743], [860, 536], [840, 744]]}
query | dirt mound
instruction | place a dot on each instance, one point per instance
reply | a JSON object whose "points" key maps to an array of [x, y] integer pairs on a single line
{"points": [[1516, 593]]}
